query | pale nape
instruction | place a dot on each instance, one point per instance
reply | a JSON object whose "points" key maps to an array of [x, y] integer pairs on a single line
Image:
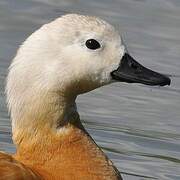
{"points": [[51, 68]]}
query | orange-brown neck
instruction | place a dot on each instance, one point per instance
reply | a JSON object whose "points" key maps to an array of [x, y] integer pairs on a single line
{"points": [[66, 155], [52, 141]]}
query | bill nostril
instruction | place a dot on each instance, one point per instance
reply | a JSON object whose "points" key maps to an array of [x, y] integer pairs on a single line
{"points": [[133, 65]]}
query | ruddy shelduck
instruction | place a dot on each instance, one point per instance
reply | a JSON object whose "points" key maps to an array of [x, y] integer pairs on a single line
{"points": [[69, 56]]}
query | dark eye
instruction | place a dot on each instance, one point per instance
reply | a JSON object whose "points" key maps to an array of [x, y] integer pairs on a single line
{"points": [[92, 44]]}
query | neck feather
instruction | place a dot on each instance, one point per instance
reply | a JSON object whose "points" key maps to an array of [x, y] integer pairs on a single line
{"points": [[38, 114], [72, 153], [52, 139]]}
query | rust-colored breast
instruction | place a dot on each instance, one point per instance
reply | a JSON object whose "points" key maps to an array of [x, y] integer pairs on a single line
{"points": [[10, 169], [51, 156]]}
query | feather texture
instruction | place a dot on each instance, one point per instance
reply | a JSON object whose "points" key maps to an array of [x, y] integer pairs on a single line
{"points": [[10, 169]]}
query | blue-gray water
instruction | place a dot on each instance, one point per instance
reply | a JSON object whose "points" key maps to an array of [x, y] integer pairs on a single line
{"points": [[136, 125]]}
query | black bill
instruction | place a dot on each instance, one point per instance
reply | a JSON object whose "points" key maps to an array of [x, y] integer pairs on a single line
{"points": [[131, 71]]}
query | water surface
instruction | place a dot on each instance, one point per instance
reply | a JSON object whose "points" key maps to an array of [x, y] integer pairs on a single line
{"points": [[136, 125]]}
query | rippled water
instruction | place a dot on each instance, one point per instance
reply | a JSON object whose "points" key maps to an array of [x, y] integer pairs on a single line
{"points": [[137, 126]]}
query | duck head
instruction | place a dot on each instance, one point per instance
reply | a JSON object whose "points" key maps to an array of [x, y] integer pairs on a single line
{"points": [[77, 54], [73, 54]]}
